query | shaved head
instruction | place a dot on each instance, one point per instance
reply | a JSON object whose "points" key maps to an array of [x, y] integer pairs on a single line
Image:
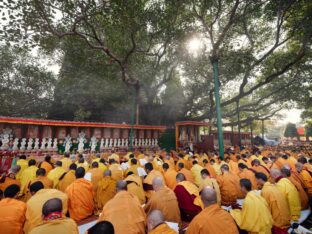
{"points": [[158, 183], [299, 167], [108, 173], [208, 196], [275, 173], [52, 205], [180, 177], [154, 218], [121, 186]]}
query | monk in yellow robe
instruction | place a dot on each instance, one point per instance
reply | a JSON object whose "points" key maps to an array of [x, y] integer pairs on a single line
{"points": [[35, 204], [233, 166], [299, 184], [53, 219], [188, 198], [23, 163], [210, 169], [212, 219], [10, 178], [47, 164], [208, 181], [257, 167], [181, 160], [277, 204], [28, 175], [106, 190], [289, 191], [117, 172], [229, 186], [147, 182], [96, 175], [196, 169], [165, 200], [80, 197], [56, 173], [124, 211], [67, 178], [305, 176], [245, 173], [187, 173], [135, 186], [157, 163], [12, 211], [216, 166], [66, 161], [82, 163], [156, 223], [170, 161], [255, 216], [170, 176]]}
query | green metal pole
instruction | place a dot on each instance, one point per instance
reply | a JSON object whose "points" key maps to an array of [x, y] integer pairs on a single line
{"points": [[263, 129], [214, 62], [133, 110], [239, 125]]}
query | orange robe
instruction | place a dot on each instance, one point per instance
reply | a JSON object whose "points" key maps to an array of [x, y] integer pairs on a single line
{"points": [[124, 211], [117, 173], [188, 175], [148, 181], [9, 181], [181, 160], [35, 204], [162, 229], [47, 166], [164, 200], [229, 188], [47, 183], [261, 169], [212, 220], [62, 225], [96, 176], [304, 199], [170, 178], [247, 174], [106, 190], [66, 162], [211, 170], [306, 177], [170, 162], [233, 167], [135, 187], [12, 216], [67, 180], [80, 199], [213, 184], [133, 169], [277, 204]]}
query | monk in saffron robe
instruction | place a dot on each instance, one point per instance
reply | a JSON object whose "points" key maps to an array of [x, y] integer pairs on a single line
{"points": [[165, 200], [124, 211], [106, 191], [148, 180], [135, 186], [187, 173], [211, 182], [10, 178], [66, 161], [245, 173], [67, 178], [47, 164], [196, 169], [12, 211], [170, 161], [35, 204], [96, 175], [117, 173], [298, 183], [28, 175], [134, 167], [181, 160], [289, 191], [257, 167], [212, 219], [41, 176], [54, 221], [101, 227], [56, 173], [80, 197], [305, 176], [210, 169], [156, 223], [170, 176], [23, 163], [233, 166], [229, 186], [277, 204], [189, 201], [255, 216]]}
